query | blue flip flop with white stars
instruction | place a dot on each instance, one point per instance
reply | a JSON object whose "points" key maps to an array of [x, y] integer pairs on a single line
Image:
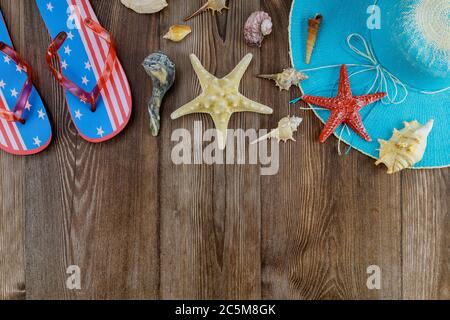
{"points": [[98, 94], [24, 125]]}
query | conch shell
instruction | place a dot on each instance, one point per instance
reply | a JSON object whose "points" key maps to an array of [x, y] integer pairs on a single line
{"points": [[145, 6], [162, 71], [177, 33], [285, 131], [313, 30], [213, 5], [406, 146], [258, 25], [286, 79]]}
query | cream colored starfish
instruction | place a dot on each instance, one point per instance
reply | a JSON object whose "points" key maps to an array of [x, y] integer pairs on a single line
{"points": [[221, 98]]}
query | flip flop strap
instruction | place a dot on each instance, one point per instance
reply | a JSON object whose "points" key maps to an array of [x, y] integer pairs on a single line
{"points": [[88, 97], [17, 113]]}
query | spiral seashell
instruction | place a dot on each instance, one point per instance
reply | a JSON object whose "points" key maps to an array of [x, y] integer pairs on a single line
{"points": [[213, 5], [287, 126], [258, 25], [406, 147], [286, 79], [314, 25]]}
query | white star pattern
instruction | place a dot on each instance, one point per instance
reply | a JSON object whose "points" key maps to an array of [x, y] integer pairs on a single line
{"points": [[50, 7], [70, 35], [64, 64], [28, 106], [67, 50], [14, 93], [19, 69], [37, 141], [2, 84], [87, 66], [41, 114], [78, 114], [7, 59], [83, 99], [100, 132], [85, 80]]}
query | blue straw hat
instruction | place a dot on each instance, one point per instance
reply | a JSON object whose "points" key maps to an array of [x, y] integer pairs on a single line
{"points": [[399, 47]]}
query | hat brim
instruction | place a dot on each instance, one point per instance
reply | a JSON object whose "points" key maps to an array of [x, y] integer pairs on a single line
{"points": [[342, 18]]}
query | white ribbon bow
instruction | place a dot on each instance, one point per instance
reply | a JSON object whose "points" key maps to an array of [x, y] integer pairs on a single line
{"points": [[384, 81]]}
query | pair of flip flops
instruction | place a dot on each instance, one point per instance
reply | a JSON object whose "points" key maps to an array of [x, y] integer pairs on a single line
{"points": [[98, 94]]}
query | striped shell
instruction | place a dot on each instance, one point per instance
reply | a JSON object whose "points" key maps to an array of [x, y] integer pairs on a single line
{"points": [[406, 147]]}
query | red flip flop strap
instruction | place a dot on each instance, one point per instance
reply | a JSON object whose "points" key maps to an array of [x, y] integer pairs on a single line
{"points": [[88, 97], [112, 55], [17, 113]]}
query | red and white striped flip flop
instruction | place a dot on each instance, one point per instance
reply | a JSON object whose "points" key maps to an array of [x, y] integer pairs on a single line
{"points": [[97, 91], [24, 125]]}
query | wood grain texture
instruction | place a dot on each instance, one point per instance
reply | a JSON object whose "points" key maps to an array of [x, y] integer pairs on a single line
{"points": [[12, 182], [141, 227], [425, 238], [95, 206]]}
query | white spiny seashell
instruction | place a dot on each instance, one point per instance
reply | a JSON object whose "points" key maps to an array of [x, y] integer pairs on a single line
{"points": [[213, 5], [286, 79], [285, 131], [145, 6], [406, 147]]}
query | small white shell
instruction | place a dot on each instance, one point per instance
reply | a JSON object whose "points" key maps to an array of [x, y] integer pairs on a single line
{"points": [[286, 79], [286, 128], [145, 6], [213, 5]]}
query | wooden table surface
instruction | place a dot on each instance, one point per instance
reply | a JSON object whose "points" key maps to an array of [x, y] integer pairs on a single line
{"points": [[139, 226]]}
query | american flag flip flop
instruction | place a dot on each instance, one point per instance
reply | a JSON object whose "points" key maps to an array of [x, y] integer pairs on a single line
{"points": [[24, 125], [97, 90]]}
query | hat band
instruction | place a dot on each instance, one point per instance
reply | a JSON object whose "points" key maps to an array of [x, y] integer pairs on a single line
{"points": [[384, 81]]}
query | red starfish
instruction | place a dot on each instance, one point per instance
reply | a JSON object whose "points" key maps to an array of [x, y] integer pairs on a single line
{"points": [[344, 108]]}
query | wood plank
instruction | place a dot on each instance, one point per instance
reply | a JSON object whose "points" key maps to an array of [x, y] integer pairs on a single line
{"points": [[12, 210], [210, 223], [96, 206], [325, 218], [426, 229]]}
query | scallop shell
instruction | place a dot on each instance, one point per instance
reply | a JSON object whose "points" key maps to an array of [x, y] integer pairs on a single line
{"points": [[145, 6], [313, 31], [286, 128], [177, 33], [258, 25], [406, 147], [286, 79], [213, 5]]}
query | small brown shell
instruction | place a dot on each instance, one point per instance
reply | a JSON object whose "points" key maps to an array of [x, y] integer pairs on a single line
{"points": [[177, 33], [314, 25]]}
